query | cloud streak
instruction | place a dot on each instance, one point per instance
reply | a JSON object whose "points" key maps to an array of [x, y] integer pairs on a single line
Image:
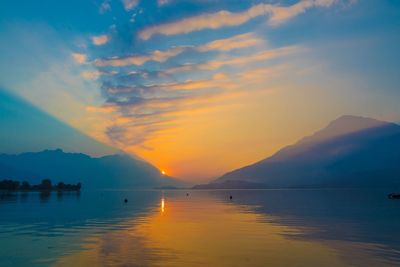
{"points": [[143, 101], [130, 4], [223, 45], [142, 112], [235, 42], [79, 58], [277, 14], [158, 56], [262, 56], [100, 40], [104, 7]]}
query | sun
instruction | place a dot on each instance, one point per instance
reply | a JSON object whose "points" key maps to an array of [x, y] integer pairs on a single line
{"points": [[163, 172]]}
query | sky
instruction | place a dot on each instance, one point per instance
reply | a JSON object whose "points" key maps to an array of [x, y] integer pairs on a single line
{"points": [[201, 87]]}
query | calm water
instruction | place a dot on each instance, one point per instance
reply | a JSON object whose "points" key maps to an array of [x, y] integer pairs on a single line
{"points": [[206, 228]]}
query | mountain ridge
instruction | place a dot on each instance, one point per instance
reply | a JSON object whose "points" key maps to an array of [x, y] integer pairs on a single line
{"points": [[334, 156], [110, 171]]}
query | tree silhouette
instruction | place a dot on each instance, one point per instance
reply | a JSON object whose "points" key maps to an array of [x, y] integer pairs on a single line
{"points": [[45, 185], [60, 186]]}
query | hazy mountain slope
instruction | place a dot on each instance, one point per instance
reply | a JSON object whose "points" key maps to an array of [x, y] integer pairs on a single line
{"points": [[350, 151], [113, 171]]}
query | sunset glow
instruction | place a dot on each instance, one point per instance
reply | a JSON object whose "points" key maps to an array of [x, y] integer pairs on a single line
{"points": [[162, 205], [217, 133], [195, 87]]}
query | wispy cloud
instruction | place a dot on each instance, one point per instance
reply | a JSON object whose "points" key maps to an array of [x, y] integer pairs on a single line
{"points": [[223, 45], [282, 14], [130, 4], [100, 39], [158, 56], [91, 75], [215, 64], [162, 2], [278, 14], [105, 7], [238, 41], [256, 57], [79, 58], [140, 113], [144, 101]]}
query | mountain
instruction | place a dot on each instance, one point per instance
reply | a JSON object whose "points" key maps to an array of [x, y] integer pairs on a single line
{"points": [[24, 127], [350, 152], [113, 171]]}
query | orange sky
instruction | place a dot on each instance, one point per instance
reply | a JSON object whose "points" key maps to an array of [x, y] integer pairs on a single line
{"points": [[202, 90]]}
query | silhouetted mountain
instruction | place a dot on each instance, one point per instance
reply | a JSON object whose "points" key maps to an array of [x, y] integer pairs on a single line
{"points": [[350, 152], [113, 171]]}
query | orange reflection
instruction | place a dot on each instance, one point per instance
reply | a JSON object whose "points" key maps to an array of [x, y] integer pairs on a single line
{"points": [[162, 205], [162, 202], [230, 235]]}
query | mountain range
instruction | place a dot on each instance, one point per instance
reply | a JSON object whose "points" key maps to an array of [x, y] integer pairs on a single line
{"points": [[350, 152], [112, 171], [25, 127]]}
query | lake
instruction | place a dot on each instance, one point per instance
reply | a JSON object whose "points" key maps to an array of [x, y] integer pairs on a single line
{"points": [[203, 228]]}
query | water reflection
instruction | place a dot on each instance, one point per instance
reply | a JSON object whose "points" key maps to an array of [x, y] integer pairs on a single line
{"points": [[162, 202], [44, 196], [205, 228]]}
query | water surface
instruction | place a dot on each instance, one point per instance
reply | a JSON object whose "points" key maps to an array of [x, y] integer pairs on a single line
{"points": [[204, 228]]}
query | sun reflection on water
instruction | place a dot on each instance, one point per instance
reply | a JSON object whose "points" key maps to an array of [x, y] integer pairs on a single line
{"points": [[229, 234], [162, 205], [162, 202]]}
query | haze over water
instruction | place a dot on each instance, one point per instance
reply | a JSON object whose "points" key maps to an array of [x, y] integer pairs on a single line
{"points": [[205, 228]]}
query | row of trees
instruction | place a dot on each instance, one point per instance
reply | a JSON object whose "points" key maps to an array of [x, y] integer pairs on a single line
{"points": [[45, 185]]}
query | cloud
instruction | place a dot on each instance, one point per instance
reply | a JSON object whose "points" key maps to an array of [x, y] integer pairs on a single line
{"points": [[223, 18], [79, 58], [143, 104], [100, 40], [159, 56], [162, 2], [238, 41], [91, 75], [102, 109], [282, 14], [235, 61], [142, 113], [105, 7], [260, 56], [235, 42], [130, 4]]}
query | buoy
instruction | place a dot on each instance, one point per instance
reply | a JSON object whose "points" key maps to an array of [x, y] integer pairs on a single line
{"points": [[126, 200]]}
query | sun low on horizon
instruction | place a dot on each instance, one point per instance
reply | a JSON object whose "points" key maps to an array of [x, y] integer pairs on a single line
{"points": [[216, 133], [197, 88]]}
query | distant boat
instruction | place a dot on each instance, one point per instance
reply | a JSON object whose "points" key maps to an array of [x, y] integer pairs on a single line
{"points": [[394, 196]]}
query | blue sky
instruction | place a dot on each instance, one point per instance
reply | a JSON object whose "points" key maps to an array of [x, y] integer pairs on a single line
{"points": [[187, 84]]}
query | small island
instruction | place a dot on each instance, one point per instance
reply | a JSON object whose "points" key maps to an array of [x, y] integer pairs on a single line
{"points": [[45, 185]]}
